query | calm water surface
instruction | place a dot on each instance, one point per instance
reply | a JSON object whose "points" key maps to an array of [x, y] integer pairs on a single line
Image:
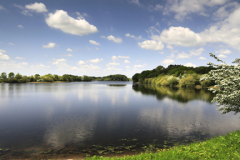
{"points": [[104, 118]]}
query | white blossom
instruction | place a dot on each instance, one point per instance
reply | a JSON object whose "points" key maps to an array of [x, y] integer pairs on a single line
{"points": [[227, 79]]}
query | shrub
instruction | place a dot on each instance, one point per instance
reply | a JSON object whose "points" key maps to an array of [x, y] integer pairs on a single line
{"points": [[47, 79]]}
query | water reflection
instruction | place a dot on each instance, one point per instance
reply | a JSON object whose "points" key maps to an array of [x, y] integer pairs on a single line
{"points": [[64, 115]]}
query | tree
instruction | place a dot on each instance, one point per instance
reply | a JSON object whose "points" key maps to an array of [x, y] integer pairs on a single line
{"points": [[4, 75], [18, 76], [228, 83], [135, 77], [37, 77], [11, 75]]}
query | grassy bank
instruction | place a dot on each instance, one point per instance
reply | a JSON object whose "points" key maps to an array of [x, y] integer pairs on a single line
{"points": [[221, 147]]}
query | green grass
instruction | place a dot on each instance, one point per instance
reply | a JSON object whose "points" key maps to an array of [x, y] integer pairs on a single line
{"points": [[221, 147]]}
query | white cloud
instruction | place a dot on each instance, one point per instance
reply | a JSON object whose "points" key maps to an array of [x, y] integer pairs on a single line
{"points": [[69, 50], [96, 60], [49, 45], [132, 36], [201, 58], [3, 51], [171, 56], [102, 36], [183, 8], [179, 36], [112, 38], [224, 11], [114, 58], [20, 58], [93, 42], [26, 12], [126, 61], [81, 16], [182, 55], [151, 45], [134, 2], [124, 57], [11, 44], [190, 65], [170, 47], [69, 55], [4, 56], [224, 51], [168, 61], [128, 67], [81, 62], [59, 61], [37, 7], [61, 20], [197, 52], [113, 64], [113, 69], [20, 26], [221, 56], [138, 66]]}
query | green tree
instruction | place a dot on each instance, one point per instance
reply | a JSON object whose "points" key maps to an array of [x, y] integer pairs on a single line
{"points": [[4, 75], [135, 77], [227, 79], [11, 75], [37, 77], [18, 76]]}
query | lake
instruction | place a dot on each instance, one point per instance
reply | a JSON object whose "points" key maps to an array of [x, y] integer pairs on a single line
{"points": [[78, 119]]}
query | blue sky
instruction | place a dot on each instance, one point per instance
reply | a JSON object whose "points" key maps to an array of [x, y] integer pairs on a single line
{"points": [[102, 37]]}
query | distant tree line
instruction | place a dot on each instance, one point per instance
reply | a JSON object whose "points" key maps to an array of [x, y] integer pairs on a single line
{"points": [[174, 75], [116, 77], [18, 78]]}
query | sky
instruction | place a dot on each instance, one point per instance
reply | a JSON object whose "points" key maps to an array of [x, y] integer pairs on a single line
{"points": [[103, 37]]}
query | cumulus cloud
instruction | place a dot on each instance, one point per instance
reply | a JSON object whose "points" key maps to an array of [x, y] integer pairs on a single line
{"points": [[134, 2], [49, 45], [224, 11], [179, 36], [197, 52], [97, 60], [81, 62], [132, 36], [20, 26], [151, 45], [3, 51], [170, 47], [221, 56], [61, 20], [4, 56], [113, 64], [183, 55], [138, 66], [20, 58], [69, 55], [126, 61], [93, 42], [128, 67], [183, 8], [224, 51], [190, 65], [69, 50], [124, 57], [202, 58], [168, 61], [171, 56], [58, 61], [112, 38], [37, 7], [81, 16], [114, 58]]}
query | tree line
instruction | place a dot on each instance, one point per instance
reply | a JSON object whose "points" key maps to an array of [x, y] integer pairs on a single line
{"points": [[18, 78], [174, 75]]}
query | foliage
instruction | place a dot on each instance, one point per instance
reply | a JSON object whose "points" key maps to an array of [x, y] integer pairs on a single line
{"points": [[18, 76], [228, 83], [116, 77], [3, 75], [11, 75], [135, 77]]}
